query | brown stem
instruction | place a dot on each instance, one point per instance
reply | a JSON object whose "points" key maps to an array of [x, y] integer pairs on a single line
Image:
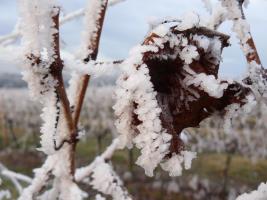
{"points": [[56, 71], [94, 44], [253, 56], [85, 79]]}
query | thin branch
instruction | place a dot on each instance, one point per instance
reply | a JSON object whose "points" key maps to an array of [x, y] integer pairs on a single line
{"points": [[253, 55], [12, 179], [93, 46], [11, 37], [15, 175], [56, 71]]}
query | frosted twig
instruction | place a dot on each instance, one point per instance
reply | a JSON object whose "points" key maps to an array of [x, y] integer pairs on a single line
{"points": [[12, 179], [21, 177], [94, 19], [40, 179], [68, 17]]}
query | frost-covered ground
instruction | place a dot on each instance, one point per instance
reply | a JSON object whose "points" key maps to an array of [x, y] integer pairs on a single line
{"points": [[19, 133]]}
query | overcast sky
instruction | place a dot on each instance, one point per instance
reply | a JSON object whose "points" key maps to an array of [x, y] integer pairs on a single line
{"points": [[126, 25]]}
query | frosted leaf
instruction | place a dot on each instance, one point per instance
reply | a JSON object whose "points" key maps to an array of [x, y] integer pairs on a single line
{"points": [[172, 65]]}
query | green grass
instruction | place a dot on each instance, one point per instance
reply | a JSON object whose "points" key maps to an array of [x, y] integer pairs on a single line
{"points": [[242, 170], [206, 165]]}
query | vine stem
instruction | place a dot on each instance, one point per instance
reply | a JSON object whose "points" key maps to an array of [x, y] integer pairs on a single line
{"points": [[94, 45], [56, 71], [253, 55], [80, 93]]}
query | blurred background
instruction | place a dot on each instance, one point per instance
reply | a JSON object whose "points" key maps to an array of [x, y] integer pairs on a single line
{"points": [[227, 165]]}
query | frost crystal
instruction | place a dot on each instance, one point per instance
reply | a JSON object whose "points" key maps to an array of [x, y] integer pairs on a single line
{"points": [[174, 164], [106, 181], [189, 53]]}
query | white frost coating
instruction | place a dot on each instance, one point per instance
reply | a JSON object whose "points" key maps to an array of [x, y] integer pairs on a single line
{"points": [[154, 21], [105, 180], [242, 29], [258, 81], [202, 41], [208, 83], [14, 181], [161, 30], [235, 109], [37, 28], [41, 177], [134, 86], [92, 15], [188, 157], [17, 176], [91, 68], [89, 35], [103, 175], [259, 194], [188, 20], [189, 53], [69, 190], [174, 164], [48, 128]]}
